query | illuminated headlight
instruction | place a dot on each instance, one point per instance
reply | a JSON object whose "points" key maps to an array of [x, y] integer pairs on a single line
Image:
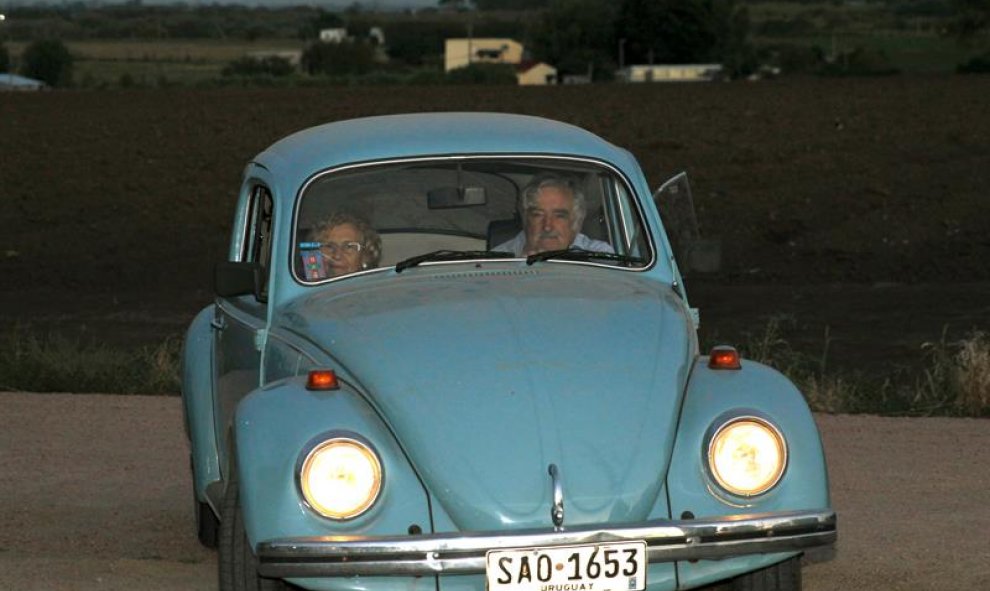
{"points": [[747, 456], [341, 478]]}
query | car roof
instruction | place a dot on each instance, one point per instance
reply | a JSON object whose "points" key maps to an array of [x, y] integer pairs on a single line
{"points": [[296, 157]]}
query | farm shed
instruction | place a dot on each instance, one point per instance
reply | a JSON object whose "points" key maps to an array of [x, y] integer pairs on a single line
{"points": [[536, 74]]}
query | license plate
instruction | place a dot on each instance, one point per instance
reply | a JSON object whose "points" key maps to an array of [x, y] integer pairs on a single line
{"points": [[591, 567]]}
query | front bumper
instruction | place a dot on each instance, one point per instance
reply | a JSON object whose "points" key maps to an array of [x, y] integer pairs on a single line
{"points": [[464, 553]]}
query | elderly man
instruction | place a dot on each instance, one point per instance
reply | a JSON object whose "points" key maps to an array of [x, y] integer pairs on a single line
{"points": [[552, 209]]}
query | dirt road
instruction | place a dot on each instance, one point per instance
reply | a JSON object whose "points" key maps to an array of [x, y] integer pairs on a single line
{"points": [[95, 494]]}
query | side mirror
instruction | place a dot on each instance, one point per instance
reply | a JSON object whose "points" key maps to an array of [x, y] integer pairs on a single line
{"points": [[234, 278]]}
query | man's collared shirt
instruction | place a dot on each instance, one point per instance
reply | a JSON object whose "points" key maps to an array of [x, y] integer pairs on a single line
{"points": [[518, 244]]}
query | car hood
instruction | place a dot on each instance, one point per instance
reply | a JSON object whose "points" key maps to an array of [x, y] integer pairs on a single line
{"points": [[488, 377]]}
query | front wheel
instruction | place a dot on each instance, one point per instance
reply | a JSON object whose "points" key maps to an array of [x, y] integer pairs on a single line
{"points": [[783, 576], [207, 525], [238, 564]]}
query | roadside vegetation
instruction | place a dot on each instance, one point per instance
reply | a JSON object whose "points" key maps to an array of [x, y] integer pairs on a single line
{"points": [[54, 363], [948, 378], [953, 379]]}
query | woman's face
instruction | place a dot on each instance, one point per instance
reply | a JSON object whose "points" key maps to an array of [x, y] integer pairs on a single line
{"points": [[341, 246]]}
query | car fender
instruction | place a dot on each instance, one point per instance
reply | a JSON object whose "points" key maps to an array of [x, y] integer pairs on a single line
{"points": [[713, 397], [197, 401], [277, 425]]}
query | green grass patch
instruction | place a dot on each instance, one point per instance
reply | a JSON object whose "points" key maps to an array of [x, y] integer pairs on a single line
{"points": [[127, 74], [55, 363]]}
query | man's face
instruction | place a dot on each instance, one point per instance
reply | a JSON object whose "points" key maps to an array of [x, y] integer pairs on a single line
{"points": [[550, 221]]}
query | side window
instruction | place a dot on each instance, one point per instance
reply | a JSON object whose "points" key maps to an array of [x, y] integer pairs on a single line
{"points": [[258, 238], [626, 231]]}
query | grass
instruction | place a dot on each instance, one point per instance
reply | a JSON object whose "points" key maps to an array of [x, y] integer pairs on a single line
{"points": [[154, 63], [54, 363], [953, 379]]}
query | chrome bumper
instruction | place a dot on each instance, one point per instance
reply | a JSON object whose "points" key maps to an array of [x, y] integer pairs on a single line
{"points": [[464, 553]]}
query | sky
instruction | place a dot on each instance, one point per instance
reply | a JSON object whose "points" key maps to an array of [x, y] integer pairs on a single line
{"points": [[382, 4]]}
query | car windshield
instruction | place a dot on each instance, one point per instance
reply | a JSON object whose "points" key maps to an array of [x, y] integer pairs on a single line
{"points": [[411, 213]]}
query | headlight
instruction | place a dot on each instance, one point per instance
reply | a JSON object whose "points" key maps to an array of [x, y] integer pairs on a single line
{"points": [[341, 478], [747, 456]]}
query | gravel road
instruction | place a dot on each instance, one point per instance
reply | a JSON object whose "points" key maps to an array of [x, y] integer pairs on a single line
{"points": [[95, 494]]}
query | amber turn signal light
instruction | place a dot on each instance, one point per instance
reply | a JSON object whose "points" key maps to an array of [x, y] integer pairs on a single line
{"points": [[322, 379], [724, 357]]}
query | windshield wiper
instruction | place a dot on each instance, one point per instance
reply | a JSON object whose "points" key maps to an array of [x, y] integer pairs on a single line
{"points": [[451, 255], [581, 254]]}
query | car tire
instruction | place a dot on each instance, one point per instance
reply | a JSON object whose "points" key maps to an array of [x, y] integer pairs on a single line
{"points": [[783, 576], [237, 562], [207, 525]]}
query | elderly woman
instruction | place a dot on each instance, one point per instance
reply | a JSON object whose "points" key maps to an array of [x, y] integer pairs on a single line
{"points": [[348, 243]]}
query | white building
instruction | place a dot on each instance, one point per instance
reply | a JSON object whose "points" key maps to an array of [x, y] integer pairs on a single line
{"points": [[672, 73], [333, 35]]}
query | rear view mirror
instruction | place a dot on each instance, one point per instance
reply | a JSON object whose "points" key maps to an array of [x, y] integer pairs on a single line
{"points": [[451, 197]]}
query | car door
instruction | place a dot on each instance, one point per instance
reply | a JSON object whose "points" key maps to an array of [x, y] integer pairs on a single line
{"points": [[241, 321]]}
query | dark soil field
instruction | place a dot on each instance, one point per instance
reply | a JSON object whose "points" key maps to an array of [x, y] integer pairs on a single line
{"points": [[857, 205]]}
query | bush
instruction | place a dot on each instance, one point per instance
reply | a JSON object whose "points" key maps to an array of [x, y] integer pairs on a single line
{"points": [[793, 59], [4, 59], [861, 61], [957, 376], [978, 65], [48, 60], [268, 66]]}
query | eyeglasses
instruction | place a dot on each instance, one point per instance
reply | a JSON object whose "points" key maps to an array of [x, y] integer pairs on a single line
{"points": [[330, 249]]}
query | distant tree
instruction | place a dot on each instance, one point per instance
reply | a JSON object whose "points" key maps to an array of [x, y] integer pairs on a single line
{"points": [[48, 60], [973, 17], [338, 58], [420, 42], [322, 20], [573, 35], [685, 31], [455, 4], [484, 5], [4, 58]]}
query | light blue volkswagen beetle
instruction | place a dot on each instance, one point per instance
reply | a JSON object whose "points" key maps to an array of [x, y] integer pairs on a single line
{"points": [[453, 352]]}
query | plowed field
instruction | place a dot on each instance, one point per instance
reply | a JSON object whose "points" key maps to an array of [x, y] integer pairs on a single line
{"points": [[861, 204]]}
